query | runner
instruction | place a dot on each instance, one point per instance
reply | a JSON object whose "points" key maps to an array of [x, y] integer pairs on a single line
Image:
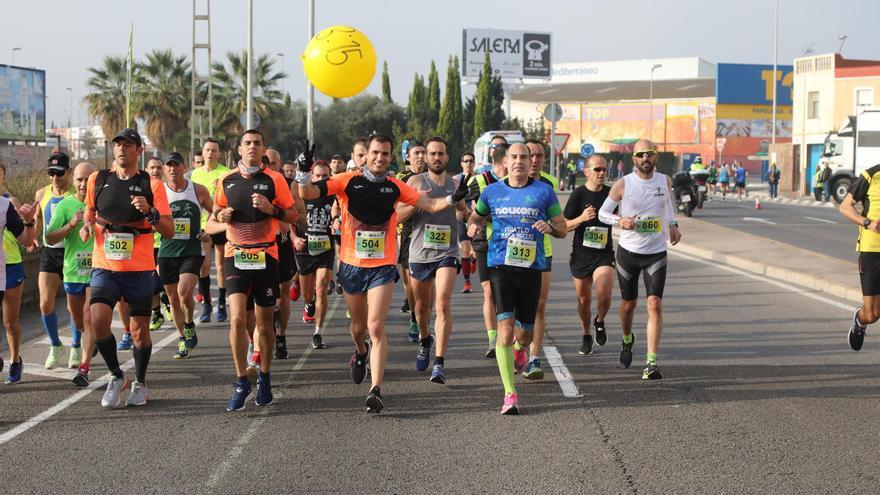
{"points": [[523, 211], [122, 207], [315, 256], [208, 176], [740, 174], [14, 231], [337, 164], [251, 200], [66, 223], [358, 155], [52, 255], [160, 308], [480, 241], [647, 221], [466, 250], [416, 164], [495, 142], [864, 190], [533, 370], [288, 170], [592, 251], [433, 257], [368, 250], [180, 257]]}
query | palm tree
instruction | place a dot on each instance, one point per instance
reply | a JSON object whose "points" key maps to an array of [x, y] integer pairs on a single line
{"points": [[164, 97], [107, 94], [230, 91]]}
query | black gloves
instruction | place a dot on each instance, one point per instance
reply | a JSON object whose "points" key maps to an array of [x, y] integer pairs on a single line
{"points": [[462, 190], [305, 159]]}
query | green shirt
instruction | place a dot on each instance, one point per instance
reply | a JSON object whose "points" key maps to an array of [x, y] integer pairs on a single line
{"points": [[205, 177], [77, 254]]}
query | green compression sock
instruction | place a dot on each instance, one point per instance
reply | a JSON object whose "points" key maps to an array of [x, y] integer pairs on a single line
{"points": [[627, 339], [504, 357], [652, 357], [493, 334]]}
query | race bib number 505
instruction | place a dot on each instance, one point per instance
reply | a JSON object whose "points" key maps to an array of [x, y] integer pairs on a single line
{"points": [[249, 259]]}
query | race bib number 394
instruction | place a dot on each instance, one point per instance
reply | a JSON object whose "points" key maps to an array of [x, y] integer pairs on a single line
{"points": [[520, 253], [118, 246], [369, 244], [595, 237], [649, 226]]}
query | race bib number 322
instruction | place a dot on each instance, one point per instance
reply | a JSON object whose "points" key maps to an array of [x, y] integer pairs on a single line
{"points": [[437, 236]]}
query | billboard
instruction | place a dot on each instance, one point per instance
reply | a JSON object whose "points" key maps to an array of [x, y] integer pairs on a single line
{"points": [[748, 84], [22, 104], [513, 54]]}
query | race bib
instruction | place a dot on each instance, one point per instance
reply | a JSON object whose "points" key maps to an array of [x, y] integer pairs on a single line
{"points": [[369, 244], [520, 253], [249, 259], [595, 237], [84, 263], [437, 236], [181, 229], [649, 226], [118, 246], [318, 244]]}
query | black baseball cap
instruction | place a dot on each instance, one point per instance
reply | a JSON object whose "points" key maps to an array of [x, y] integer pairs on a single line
{"points": [[129, 135], [338, 157], [59, 161], [174, 157]]}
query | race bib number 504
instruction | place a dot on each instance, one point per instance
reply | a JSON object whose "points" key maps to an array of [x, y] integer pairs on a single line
{"points": [[369, 244]]}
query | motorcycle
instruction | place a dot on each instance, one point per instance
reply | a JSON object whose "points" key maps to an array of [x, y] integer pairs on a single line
{"points": [[701, 177], [684, 193]]}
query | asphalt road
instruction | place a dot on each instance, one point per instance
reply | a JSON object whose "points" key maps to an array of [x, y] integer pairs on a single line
{"points": [[761, 394]]}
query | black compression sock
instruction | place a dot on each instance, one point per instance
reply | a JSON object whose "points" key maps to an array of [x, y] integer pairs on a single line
{"points": [[141, 361], [205, 288], [221, 296], [107, 348], [438, 360], [412, 316], [424, 342]]}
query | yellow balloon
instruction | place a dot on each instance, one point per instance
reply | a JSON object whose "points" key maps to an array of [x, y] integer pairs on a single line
{"points": [[340, 61]]}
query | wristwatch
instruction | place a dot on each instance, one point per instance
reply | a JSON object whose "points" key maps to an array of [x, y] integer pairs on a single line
{"points": [[865, 223]]}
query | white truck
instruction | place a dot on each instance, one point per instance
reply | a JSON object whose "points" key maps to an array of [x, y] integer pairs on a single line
{"points": [[852, 149]]}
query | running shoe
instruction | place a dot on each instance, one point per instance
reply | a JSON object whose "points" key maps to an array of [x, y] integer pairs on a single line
{"points": [[338, 289], [75, 358], [199, 297], [81, 378], [124, 344], [437, 375], [113, 395], [54, 357], [601, 336], [358, 365], [520, 359], [331, 287], [205, 317], [374, 401], [404, 308], [467, 287], [307, 318], [651, 372], [182, 351], [348, 314], [318, 341], [490, 352], [221, 312], [626, 352], [190, 336], [14, 375], [252, 372], [423, 357], [281, 347], [414, 332], [533, 370], [166, 311], [264, 390], [294, 290], [138, 395], [511, 405], [586, 345], [156, 320], [856, 335], [241, 389]]}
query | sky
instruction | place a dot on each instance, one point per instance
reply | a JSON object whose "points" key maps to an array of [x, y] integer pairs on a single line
{"points": [[64, 37]]}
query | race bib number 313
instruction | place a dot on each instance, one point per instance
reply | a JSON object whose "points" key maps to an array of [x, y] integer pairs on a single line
{"points": [[369, 244], [520, 253]]}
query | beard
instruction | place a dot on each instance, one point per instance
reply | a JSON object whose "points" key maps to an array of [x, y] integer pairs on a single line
{"points": [[645, 167], [437, 168]]}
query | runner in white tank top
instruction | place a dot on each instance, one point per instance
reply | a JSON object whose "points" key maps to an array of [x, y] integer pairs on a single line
{"points": [[647, 221]]}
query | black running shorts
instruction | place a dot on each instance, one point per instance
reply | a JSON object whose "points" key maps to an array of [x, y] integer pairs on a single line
{"points": [[261, 284], [869, 273], [585, 265], [516, 295], [629, 265], [170, 268]]}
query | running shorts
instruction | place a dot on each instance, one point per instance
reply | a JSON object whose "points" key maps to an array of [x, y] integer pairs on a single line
{"points": [[869, 273], [261, 284], [135, 287], [427, 271], [584, 266], [516, 295], [308, 264], [629, 265], [52, 260], [14, 275], [171, 268]]}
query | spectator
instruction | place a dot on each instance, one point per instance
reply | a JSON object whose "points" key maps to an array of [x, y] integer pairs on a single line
{"points": [[825, 178], [773, 179]]}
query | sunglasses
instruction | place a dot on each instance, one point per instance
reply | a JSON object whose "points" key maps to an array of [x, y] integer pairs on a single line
{"points": [[599, 170], [645, 154], [467, 161], [56, 173]]}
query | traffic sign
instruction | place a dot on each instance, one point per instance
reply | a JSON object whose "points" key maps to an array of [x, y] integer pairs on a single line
{"points": [[587, 150], [553, 112], [243, 120], [719, 143], [559, 142]]}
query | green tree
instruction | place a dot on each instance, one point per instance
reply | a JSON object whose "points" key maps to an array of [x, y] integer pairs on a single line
{"points": [[340, 123], [450, 123], [467, 121], [386, 84], [432, 109], [483, 97], [107, 94], [230, 92], [416, 108], [286, 130], [164, 83]]}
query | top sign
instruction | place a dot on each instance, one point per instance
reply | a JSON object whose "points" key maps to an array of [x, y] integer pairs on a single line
{"points": [[513, 54], [745, 84]]}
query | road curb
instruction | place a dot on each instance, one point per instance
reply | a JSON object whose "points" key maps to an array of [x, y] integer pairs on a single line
{"points": [[807, 280]]}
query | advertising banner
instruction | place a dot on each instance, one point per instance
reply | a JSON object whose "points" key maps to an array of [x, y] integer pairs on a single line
{"points": [[22, 104], [513, 54], [748, 84]]}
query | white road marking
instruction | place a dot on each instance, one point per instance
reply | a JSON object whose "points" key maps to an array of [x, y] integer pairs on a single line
{"points": [[563, 376], [760, 220], [821, 220], [73, 399]]}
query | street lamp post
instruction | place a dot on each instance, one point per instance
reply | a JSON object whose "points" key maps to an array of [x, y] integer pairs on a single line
{"points": [[249, 108], [14, 49], [310, 90], [651, 123]]}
